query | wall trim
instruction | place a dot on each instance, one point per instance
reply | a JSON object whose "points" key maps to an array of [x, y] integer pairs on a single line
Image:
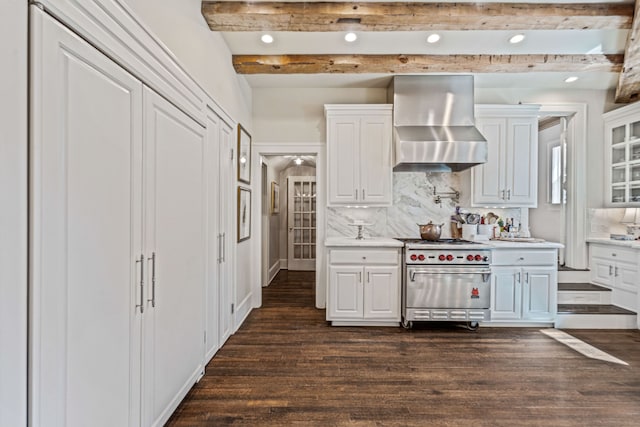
{"points": [[242, 311], [273, 271], [284, 264], [283, 148]]}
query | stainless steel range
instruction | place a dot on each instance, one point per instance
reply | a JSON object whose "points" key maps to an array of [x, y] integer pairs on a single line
{"points": [[445, 280]]}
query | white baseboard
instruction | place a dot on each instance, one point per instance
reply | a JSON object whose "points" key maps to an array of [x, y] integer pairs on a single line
{"points": [[596, 321], [284, 264], [273, 270], [241, 312]]}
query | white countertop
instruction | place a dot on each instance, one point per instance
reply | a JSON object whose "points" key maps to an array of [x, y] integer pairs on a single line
{"points": [[633, 244], [380, 242], [505, 244]]}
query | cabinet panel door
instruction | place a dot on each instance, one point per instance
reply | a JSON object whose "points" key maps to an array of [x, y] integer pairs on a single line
{"points": [[522, 161], [375, 159], [381, 293], [539, 300], [174, 230], [506, 293], [86, 232], [601, 271], [346, 292], [488, 178], [626, 276], [344, 162]]}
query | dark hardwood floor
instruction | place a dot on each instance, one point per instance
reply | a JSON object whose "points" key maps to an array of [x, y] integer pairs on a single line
{"points": [[287, 366]]}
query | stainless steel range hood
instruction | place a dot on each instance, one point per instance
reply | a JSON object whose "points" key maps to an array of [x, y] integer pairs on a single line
{"points": [[433, 124]]}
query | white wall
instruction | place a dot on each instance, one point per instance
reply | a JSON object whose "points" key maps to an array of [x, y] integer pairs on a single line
{"points": [[202, 52], [13, 213], [545, 221]]}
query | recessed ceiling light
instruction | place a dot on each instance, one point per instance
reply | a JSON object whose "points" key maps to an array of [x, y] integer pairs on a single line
{"points": [[267, 38], [433, 38], [517, 38], [298, 161], [571, 79], [350, 37]]}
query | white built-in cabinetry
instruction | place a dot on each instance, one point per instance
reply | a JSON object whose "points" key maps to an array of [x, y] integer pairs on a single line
{"points": [[524, 285], [622, 156], [359, 154], [510, 176], [120, 183], [616, 268], [220, 184], [364, 285]]}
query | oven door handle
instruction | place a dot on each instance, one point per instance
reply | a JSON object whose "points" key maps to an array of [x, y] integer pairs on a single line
{"points": [[486, 273]]}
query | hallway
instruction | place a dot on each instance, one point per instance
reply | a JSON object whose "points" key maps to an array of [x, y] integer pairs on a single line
{"points": [[286, 366]]}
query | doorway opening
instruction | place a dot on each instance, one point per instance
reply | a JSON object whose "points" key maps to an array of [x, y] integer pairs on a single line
{"points": [[289, 214]]}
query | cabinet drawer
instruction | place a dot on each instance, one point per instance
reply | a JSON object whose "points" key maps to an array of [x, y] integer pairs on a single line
{"points": [[367, 256], [524, 257], [614, 253]]}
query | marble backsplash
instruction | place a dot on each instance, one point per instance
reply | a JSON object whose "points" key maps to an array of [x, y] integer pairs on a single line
{"points": [[413, 203], [606, 221]]}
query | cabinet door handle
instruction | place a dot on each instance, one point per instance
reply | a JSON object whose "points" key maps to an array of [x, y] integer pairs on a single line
{"points": [[502, 197], [356, 191], [224, 246], [153, 279], [508, 194], [519, 277], [219, 248], [141, 305], [526, 277], [616, 272], [360, 277], [368, 277], [363, 194], [610, 270]]}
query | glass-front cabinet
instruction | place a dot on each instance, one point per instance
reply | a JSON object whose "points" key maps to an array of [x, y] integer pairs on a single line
{"points": [[622, 156]]}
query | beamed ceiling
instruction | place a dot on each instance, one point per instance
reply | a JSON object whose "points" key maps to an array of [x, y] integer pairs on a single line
{"points": [[582, 38]]}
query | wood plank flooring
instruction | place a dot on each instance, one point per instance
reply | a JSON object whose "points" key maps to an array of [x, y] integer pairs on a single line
{"points": [[286, 367]]}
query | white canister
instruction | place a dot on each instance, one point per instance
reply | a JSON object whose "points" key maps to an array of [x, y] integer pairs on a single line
{"points": [[486, 229], [469, 231]]}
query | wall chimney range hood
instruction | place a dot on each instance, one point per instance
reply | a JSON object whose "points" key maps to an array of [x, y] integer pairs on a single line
{"points": [[433, 124]]}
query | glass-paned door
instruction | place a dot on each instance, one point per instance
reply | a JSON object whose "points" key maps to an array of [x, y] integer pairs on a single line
{"points": [[301, 196]]}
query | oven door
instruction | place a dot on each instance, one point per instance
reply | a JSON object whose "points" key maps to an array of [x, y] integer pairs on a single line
{"points": [[447, 287]]}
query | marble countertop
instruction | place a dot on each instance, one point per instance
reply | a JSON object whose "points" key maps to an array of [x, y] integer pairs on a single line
{"points": [[505, 244], [380, 242], [634, 244]]}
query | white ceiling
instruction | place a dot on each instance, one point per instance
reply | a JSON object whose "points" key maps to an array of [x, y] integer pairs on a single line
{"points": [[451, 42]]}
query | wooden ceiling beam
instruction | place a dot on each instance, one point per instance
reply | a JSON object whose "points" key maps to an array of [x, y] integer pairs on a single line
{"points": [[628, 89], [400, 64], [413, 16]]}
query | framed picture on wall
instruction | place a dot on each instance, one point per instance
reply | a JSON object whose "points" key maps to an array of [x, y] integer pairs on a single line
{"points": [[244, 155], [275, 198], [244, 213]]}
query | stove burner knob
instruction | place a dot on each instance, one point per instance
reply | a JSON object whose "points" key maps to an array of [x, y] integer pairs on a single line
{"points": [[421, 257], [485, 258], [414, 257], [478, 257], [469, 257], [442, 257], [449, 257]]}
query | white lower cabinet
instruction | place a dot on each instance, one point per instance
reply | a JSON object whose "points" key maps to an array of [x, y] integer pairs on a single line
{"points": [[524, 286], [118, 241], [364, 285], [616, 268]]}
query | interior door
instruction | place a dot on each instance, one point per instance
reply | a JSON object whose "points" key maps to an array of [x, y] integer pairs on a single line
{"points": [[86, 158], [174, 323], [301, 206], [226, 218]]}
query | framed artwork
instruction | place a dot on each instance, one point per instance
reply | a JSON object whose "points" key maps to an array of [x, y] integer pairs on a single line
{"points": [[244, 155], [244, 213], [275, 198]]}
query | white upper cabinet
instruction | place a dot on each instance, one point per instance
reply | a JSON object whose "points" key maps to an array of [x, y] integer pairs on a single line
{"points": [[510, 176], [622, 156], [359, 154]]}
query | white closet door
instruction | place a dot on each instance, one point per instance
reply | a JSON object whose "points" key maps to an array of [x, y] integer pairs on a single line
{"points": [[175, 231], [226, 215], [86, 154], [214, 239]]}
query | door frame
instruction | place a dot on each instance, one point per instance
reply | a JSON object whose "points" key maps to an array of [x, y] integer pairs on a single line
{"points": [[317, 149], [576, 227]]}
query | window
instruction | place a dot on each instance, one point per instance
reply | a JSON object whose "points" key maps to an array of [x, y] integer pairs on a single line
{"points": [[557, 167]]}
